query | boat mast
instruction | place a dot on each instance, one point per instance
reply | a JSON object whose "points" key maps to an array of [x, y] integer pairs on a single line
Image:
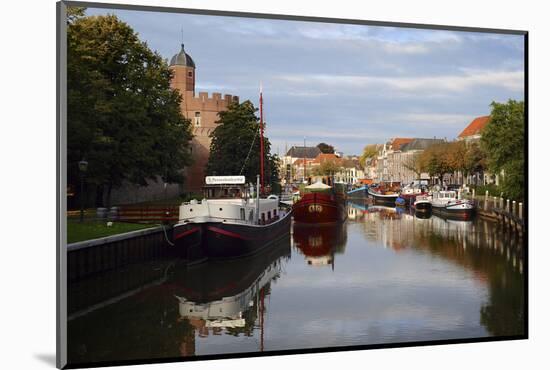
{"points": [[261, 138], [304, 179], [257, 199]]}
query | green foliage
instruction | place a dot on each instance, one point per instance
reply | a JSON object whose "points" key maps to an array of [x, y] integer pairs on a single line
{"points": [[437, 160], [449, 157], [232, 143], [325, 148], [123, 117], [327, 168], [503, 142], [370, 151], [494, 191]]}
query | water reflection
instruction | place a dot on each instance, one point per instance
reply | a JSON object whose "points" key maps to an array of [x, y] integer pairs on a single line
{"points": [[228, 296], [493, 256], [319, 244], [383, 276]]}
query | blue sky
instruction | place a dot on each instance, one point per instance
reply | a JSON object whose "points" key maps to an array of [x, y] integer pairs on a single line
{"points": [[347, 85]]}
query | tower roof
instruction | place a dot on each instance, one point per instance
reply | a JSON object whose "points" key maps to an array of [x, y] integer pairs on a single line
{"points": [[182, 59]]}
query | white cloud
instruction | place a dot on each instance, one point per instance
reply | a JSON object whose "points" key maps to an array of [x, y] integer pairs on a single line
{"points": [[510, 80], [433, 119]]}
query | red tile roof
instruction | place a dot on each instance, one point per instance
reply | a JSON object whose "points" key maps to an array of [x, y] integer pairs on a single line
{"points": [[475, 127], [300, 162], [323, 157], [398, 141]]}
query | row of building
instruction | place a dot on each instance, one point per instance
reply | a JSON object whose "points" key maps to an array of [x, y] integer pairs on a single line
{"points": [[302, 162], [394, 161]]}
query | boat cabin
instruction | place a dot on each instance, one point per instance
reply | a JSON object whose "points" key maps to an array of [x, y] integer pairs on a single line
{"points": [[229, 200], [445, 195]]}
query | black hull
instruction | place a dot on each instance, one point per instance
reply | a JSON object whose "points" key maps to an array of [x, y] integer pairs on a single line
{"points": [[456, 214], [218, 240], [423, 207]]}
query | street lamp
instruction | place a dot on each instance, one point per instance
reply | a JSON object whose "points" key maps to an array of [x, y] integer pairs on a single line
{"points": [[83, 167]]}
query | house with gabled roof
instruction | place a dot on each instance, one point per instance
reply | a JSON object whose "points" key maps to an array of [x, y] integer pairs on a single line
{"points": [[474, 129]]}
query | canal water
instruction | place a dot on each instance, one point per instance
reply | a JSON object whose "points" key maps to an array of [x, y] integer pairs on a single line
{"points": [[384, 276]]}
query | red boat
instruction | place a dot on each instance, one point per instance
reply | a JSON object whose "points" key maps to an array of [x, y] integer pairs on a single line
{"points": [[320, 205]]}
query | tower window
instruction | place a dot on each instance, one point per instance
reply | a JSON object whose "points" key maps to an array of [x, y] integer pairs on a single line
{"points": [[190, 74], [197, 119]]}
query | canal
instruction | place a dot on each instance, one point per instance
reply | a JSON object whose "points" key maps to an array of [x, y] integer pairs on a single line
{"points": [[384, 276]]}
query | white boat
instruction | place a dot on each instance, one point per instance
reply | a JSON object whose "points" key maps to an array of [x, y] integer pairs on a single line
{"points": [[423, 203], [231, 225], [448, 204]]}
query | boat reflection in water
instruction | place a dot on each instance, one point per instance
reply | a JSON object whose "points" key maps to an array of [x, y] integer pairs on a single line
{"points": [[228, 296], [319, 243]]}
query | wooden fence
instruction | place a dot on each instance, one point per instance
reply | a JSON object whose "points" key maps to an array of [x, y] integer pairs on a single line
{"points": [[508, 213], [154, 213]]}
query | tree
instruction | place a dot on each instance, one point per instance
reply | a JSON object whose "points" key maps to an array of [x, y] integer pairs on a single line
{"points": [[370, 151], [327, 168], [123, 117], [474, 160], [414, 164], [437, 160], [502, 140], [235, 147], [325, 148]]}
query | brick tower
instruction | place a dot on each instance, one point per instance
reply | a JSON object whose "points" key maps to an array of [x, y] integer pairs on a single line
{"points": [[203, 112]]}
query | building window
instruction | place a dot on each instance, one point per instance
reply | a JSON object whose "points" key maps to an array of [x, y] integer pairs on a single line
{"points": [[197, 119], [190, 74]]}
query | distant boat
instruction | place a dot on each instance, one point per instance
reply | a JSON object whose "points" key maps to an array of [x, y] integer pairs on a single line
{"points": [[423, 206], [359, 193], [423, 203], [447, 204], [411, 191], [320, 204], [380, 195]]}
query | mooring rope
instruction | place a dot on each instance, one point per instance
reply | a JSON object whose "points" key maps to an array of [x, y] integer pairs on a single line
{"points": [[166, 235]]}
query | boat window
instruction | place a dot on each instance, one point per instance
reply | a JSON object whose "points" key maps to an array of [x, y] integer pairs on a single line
{"points": [[274, 213], [269, 215], [221, 209], [242, 214], [263, 217], [251, 215]]}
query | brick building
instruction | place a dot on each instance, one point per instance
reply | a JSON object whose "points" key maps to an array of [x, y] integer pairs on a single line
{"points": [[202, 110]]}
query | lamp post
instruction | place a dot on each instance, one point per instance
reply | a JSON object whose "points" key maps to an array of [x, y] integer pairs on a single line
{"points": [[83, 167]]}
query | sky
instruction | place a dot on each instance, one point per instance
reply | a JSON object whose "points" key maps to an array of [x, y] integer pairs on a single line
{"points": [[346, 85]]}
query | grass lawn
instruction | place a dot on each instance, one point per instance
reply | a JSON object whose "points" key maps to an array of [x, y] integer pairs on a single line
{"points": [[87, 230]]}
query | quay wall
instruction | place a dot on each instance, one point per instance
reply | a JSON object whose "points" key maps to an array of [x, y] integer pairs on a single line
{"points": [[103, 254]]}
